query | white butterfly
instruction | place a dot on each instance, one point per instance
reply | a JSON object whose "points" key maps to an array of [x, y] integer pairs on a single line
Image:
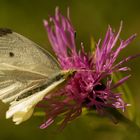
{"points": [[27, 74]]}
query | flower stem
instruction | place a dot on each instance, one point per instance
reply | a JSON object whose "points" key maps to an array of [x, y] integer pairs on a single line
{"points": [[116, 117]]}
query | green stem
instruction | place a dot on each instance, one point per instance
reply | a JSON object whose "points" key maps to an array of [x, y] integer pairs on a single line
{"points": [[116, 116]]}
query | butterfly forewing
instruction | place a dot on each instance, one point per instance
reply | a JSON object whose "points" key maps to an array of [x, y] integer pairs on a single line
{"points": [[19, 51], [23, 65]]}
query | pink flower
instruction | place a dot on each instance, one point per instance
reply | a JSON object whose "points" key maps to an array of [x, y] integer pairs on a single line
{"points": [[91, 86]]}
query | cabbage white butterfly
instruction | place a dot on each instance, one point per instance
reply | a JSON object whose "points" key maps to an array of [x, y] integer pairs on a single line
{"points": [[27, 74]]}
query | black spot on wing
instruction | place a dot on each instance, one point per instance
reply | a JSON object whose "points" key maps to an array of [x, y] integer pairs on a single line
{"points": [[5, 31], [11, 54]]}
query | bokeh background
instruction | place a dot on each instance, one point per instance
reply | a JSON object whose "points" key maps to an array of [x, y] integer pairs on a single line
{"points": [[90, 18]]}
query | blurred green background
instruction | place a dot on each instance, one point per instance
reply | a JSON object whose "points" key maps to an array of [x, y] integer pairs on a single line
{"points": [[90, 17]]}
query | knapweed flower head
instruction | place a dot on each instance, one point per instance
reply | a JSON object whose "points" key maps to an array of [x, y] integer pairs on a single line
{"points": [[92, 86]]}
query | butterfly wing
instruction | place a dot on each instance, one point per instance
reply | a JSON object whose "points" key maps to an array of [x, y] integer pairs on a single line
{"points": [[23, 66], [19, 51], [22, 63], [23, 109], [15, 81]]}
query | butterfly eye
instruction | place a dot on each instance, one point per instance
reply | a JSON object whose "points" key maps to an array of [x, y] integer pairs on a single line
{"points": [[11, 54]]}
